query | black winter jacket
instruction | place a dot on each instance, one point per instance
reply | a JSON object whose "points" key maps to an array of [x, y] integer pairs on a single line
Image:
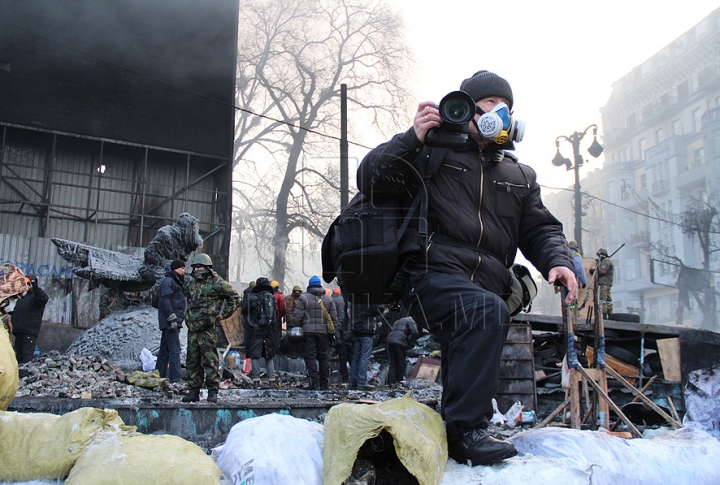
{"points": [[487, 199], [28, 312], [171, 298], [309, 314], [401, 332], [363, 319]]}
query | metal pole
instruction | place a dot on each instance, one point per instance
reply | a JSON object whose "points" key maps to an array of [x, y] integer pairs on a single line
{"points": [[344, 189], [578, 195]]}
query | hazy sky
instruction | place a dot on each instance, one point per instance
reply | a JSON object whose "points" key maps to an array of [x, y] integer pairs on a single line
{"points": [[560, 57]]}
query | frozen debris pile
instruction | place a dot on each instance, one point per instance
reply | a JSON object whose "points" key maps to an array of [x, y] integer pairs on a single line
{"points": [[121, 336], [69, 376]]}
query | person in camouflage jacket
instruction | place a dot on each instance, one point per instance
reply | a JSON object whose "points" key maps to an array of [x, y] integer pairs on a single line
{"points": [[209, 299]]}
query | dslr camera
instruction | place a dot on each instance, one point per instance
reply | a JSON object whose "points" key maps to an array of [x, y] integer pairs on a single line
{"points": [[458, 109]]}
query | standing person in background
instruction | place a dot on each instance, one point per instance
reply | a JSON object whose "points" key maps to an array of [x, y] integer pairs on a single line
{"points": [[311, 314], [27, 319], [209, 299], [293, 349], [171, 313], [363, 328], [280, 303], [247, 331], [262, 316], [398, 341], [344, 350], [578, 262], [606, 275]]}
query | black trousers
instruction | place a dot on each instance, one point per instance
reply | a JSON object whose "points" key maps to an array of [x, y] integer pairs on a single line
{"points": [[24, 346], [471, 323], [396, 362], [315, 353], [345, 356]]}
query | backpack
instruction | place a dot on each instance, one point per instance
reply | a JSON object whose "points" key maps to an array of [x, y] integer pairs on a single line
{"points": [[265, 312], [368, 243], [155, 299]]}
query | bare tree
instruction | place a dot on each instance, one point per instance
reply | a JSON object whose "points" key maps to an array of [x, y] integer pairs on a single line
{"points": [[700, 222], [293, 57]]}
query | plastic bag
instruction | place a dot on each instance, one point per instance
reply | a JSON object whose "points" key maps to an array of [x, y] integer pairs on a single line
{"points": [[498, 418], [123, 458], [148, 360], [514, 415], [702, 400], [418, 435], [274, 449]]}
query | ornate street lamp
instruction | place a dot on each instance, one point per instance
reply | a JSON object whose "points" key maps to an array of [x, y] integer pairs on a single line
{"points": [[595, 150]]}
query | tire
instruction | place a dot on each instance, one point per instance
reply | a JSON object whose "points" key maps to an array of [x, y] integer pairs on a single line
{"points": [[627, 356], [624, 317]]}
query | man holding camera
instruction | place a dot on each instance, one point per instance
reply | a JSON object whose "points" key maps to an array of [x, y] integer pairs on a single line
{"points": [[482, 207]]}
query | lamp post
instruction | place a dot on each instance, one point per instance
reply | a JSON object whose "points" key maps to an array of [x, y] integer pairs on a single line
{"points": [[595, 150]]}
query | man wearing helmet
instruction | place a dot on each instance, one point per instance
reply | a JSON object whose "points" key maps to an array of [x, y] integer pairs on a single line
{"points": [[606, 273], [209, 299]]}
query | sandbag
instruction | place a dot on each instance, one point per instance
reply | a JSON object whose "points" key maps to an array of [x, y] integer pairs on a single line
{"points": [[133, 458], [8, 370], [418, 434], [148, 380], [274, 449], [38, 446]]}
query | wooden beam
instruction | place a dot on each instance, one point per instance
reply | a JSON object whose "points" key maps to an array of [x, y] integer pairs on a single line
{"points": [[610, 402]]}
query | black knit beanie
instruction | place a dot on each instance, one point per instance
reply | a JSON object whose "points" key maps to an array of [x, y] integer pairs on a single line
{"points": [[483, 84], [177, 264]]}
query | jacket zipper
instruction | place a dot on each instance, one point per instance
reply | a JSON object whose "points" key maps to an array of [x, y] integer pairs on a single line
{"points": [[482, 228], [459, 169], [510, 184]]}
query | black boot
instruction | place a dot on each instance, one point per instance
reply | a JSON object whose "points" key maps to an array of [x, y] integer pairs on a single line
{"points": [[193, 395], [479, 448], [212, 396]]}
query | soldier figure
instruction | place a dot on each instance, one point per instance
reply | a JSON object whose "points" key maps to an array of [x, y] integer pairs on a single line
{"points": [[206, 294], [606, 272]]}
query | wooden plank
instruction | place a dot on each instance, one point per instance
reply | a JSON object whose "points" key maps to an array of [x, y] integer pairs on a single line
{"points": [[519, 334], [669, 350], [623, 368], [610, 402], [644, 398], [426, 368], [519, 369], [521, 351]]}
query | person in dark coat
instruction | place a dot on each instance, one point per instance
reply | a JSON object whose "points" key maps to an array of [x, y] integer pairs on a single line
{"points": [[260, 343], [398, 341], [364, 324], [171, 314], [310, 314], [343, 337], [27, 319], [483, 205]]}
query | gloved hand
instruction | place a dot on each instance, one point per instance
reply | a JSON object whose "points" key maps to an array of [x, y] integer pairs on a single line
{"points": [[172, 318]]}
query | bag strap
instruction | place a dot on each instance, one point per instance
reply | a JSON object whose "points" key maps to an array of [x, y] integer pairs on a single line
{"points": [[319, 300]]}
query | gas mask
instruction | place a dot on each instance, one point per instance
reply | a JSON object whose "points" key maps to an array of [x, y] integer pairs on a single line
{"points": [[499, 126]]}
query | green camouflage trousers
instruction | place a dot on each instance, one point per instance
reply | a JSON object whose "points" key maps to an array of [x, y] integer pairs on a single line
{"points": [[605, 298], [202, 359]]}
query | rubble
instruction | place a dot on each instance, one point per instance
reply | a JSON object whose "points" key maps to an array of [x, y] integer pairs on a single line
{"points": [[73, 376]]}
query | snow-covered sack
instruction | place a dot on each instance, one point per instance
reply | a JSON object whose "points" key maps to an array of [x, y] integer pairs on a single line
{"points": [[274, 449]]}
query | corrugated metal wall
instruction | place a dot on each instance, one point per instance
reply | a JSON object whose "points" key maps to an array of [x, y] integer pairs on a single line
{"points": [[109, 194]]}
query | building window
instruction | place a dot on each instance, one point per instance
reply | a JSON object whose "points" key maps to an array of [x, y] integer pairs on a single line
{"points": [[677, 128], [696, 120], [659, 135], [641, 149], [643, 181], [698, 157]]}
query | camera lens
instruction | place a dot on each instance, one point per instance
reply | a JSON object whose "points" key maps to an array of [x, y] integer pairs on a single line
{"points": [[456, 111]]}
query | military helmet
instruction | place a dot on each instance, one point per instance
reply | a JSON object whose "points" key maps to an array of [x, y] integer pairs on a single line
{"points": [[202, 259], [573, 244], [602, 252], [297, 288]]}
